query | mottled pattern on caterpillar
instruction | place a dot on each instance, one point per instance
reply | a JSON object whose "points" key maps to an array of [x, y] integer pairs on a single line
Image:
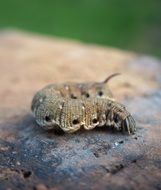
{"points": [[71, 106]]}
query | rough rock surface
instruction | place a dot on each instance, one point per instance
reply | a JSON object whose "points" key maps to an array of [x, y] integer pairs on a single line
{"points": [[31, 158]]}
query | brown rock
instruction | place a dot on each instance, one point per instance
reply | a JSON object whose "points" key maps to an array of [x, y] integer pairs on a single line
{"points": [[97, 159], [41, 187]]}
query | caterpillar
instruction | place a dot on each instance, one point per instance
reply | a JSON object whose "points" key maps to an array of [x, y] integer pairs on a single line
{"points": [[71, 106]]}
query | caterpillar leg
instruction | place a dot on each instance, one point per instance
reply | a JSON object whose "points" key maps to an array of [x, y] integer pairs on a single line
{"points": [[125, 125], [120, 119], [129, 125]]}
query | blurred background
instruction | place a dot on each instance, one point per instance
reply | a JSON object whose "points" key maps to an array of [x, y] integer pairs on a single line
{"points": [[126, 24]]}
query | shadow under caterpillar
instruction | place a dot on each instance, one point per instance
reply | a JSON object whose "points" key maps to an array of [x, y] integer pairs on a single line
{"points": [[71, 106]]}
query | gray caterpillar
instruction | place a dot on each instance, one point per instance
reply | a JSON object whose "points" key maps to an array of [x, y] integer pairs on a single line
{"points": [[71, 106]]}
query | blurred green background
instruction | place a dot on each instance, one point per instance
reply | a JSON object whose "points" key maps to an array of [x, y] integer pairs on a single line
{"points": [[126, 24]]}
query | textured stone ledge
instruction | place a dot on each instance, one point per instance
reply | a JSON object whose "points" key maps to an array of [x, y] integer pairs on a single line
{"points": [[100, 159]]}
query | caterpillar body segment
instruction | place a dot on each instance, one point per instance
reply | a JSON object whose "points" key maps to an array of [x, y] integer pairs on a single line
{"points": [[78, 90], [72, 106], [94, 112], [70, 114]]}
